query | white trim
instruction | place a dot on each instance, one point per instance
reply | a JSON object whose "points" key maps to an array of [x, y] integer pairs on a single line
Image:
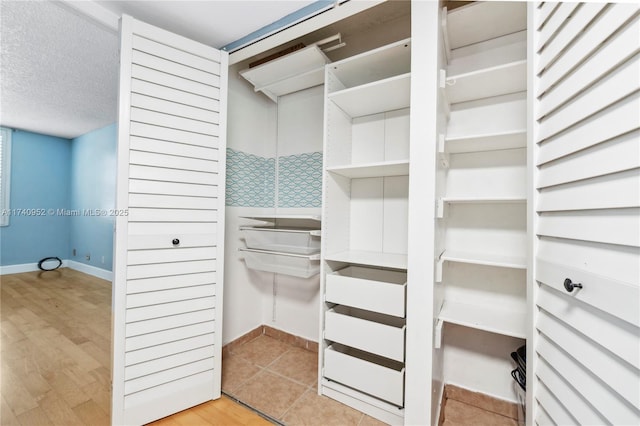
{"points": [[71, 264], [88, 269], [25, 267]]}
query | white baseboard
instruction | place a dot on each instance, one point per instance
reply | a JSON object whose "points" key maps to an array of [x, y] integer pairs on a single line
{"points": [[33, 267], [91, 270], [25, 267]]}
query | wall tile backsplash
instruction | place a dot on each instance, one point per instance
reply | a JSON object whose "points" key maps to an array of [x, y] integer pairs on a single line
{"points": [[251, 180]]}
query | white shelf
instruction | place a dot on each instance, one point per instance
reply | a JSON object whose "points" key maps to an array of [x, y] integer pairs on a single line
{"points": [[290, 73], [476, 200], [488, 259], [495, 319], [385, 95], [488, 82], [378, 64], [485, 142], [482, 21], [370, 258], [369, 170]]}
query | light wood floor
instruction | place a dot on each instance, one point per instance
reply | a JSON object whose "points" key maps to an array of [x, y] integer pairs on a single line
{"points": [[55, 355]]}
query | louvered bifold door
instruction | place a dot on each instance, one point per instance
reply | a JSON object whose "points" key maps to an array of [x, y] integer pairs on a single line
{"points": [[586, 106], [167, 295]]}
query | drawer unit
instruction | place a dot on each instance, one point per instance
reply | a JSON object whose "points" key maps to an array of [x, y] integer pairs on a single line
{"points": [[369, 331], [372, 289], [290, 240], [297, 265], [376, 376]]}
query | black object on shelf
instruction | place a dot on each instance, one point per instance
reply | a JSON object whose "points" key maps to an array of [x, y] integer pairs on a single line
{"points": [[519, 374]]}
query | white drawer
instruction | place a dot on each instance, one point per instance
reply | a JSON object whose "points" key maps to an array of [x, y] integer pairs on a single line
{"points": [[372, 332], [375, 376], [375, 290]]}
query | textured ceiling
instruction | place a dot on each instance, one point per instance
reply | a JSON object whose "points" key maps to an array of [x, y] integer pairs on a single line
{"points": [[58, 71], [59, 68]]}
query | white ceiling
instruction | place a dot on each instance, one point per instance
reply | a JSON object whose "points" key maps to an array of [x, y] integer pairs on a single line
{"points": [[59, 68]]}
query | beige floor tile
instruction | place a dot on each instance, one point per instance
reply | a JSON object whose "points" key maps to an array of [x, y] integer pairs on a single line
{"points": [[298, 364], [262, 350], [315, 410], [460, 414], [270, 394], [235, 372]]}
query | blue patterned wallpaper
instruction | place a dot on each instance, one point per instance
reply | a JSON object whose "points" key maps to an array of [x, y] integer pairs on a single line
{"points": [[300, 180], [251, 180]]}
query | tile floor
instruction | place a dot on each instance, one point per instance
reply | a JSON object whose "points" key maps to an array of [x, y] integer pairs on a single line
{"points": [[280, 380]]}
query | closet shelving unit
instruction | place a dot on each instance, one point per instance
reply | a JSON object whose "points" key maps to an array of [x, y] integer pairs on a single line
{"points": [[364, 239], [283, 244], [482, 210]]}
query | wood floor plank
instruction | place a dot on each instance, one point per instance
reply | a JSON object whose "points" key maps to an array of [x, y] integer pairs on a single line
{"points": [[91, 414], [33, 417]]}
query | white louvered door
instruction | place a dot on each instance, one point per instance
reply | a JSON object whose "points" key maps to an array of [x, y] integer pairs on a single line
{"points": [[168, 270], [585, 351]]}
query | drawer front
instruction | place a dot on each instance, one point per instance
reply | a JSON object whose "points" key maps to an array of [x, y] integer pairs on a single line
{"points": [[374, 379], [380, 339], [384, 297]]}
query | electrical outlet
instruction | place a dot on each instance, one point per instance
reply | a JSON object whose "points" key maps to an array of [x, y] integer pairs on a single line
{"points": [[73, 252], [88, 256]]}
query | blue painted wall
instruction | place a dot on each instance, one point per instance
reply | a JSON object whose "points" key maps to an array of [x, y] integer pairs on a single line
{"points": [[40, 179], [93, 187]]}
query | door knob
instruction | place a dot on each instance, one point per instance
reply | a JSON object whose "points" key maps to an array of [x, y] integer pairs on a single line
{"points": [[569, 286], [175, 242]]}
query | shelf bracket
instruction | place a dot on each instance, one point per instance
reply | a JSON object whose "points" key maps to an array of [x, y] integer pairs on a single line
{"points": [[440, 209], [437, 335], [439, 264], [442, 154], [443, 79]]}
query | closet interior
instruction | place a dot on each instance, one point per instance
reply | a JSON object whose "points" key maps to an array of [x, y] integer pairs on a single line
{"points": [[344, 91]]}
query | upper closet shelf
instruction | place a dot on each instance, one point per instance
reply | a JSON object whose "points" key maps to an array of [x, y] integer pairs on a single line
{"points": [[387, 61], [490, 259], [482, 21], [370, 170], [296, 71], [487, 82], [371, 98]]}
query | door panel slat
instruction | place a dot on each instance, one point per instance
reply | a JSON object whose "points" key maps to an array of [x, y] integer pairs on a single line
{"points": [[173, 108], [153, 159], [173, 135], [173, 122], [166, 363], [172, 175], [166, 283], [174, 95], [618, 375], [167, 376], [176, 55], [176, 254], [156, 63], [166, 323], [154, 339], [167, 349], [160, 310], [170, 269], [608, 403], [138, 186], [164, 79]]}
